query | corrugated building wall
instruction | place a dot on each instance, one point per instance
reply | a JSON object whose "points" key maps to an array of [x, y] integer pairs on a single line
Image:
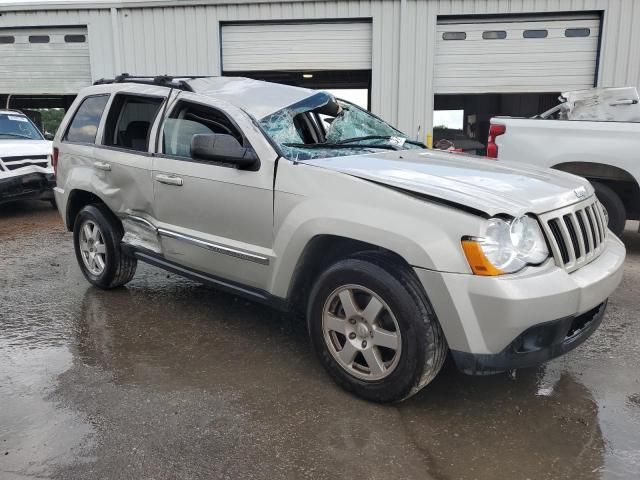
{"points": [[162, 37]]}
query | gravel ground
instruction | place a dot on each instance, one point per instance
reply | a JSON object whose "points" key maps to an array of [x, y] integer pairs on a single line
{"points": [[169, 379]]}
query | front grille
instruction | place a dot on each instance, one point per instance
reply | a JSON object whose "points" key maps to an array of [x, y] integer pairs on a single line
{"points": [[14, 166], [23, 157], [576, 234]]}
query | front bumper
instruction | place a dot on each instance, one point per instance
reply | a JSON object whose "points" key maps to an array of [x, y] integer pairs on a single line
{"points": [[487, 319], [535, 345], [30, 185]]}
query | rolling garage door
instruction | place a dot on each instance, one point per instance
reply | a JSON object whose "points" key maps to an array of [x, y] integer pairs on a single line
{"points": [[296, 46], [44, 60], [527, 54]]}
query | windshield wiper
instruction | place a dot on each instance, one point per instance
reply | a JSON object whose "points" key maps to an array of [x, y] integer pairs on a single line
{"points": [[337, 145], [18, 135], [380, 137]]}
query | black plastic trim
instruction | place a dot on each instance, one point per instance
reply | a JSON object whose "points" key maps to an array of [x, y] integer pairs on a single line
{"points": [[535, 345], [235, 288]]}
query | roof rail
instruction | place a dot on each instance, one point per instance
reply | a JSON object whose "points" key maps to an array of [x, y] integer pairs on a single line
{"points": [[171, 81]]}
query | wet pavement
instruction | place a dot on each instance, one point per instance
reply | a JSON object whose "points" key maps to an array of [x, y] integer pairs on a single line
{"points": [[168, 379]]}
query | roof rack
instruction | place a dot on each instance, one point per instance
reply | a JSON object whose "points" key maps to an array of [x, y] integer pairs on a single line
{"points": [[171, 81]]}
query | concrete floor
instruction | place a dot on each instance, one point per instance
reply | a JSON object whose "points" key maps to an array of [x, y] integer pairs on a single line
{"points": [[168, 379]]}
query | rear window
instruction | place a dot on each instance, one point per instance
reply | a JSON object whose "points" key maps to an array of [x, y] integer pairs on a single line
{"points": [[84, 126]]}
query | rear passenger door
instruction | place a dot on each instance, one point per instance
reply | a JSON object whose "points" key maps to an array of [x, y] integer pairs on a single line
{"points": [[122, 159]]}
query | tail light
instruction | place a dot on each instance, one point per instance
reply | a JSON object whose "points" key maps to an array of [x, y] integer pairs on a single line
{"points": [[494, 132], [54, 160]]}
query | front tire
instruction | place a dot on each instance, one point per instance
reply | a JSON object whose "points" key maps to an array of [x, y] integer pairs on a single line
{"points": [[374, 329], [96, 238]]}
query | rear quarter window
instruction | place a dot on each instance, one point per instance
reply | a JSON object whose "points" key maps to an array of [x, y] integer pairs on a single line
{"points": [[84, 126]]}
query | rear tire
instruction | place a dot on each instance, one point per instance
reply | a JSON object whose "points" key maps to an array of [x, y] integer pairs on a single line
{"points": [[614, 206], [339, 320], [96, 237]]}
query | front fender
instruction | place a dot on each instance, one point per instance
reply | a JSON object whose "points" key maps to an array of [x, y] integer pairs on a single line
{"points": [[425, 235]]}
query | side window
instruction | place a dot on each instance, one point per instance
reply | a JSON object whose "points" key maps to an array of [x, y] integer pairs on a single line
{"points": [[84, 125], [189, 119], [129, 121]]}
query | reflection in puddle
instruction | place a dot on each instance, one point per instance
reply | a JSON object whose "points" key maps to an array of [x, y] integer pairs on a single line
{"points": [[499, 427], [38, 434]]}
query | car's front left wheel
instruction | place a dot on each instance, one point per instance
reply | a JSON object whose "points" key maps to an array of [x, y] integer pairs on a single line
{"points": [[96, 238], [374, 329]]}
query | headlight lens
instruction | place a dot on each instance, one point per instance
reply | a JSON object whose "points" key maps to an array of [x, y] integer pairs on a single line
{"points": [[506, 246]]}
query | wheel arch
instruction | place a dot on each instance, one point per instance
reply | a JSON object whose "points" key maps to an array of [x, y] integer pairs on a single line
{"points": [[319, 253], [78, 199]]}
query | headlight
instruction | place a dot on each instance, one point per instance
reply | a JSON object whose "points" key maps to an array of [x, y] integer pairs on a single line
{"points": [[506, 246]]}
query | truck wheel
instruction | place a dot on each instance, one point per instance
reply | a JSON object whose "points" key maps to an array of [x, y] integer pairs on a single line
{"points": [[96, 238], [615, 208], [374, 329]]}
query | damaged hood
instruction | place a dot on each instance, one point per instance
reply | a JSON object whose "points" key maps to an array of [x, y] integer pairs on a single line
{"points": [[14, 148], [468, 181]]}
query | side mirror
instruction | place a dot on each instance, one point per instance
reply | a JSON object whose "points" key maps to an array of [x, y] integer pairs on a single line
{"points": [[222, 147], [49, 136]]}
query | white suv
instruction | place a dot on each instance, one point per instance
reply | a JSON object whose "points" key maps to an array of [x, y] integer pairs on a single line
{"points": [[395, 254], [25, 159]]}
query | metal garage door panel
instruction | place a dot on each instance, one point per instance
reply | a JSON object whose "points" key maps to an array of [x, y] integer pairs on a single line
{"points": [[57, 67], [516, 64], [296, 46]]}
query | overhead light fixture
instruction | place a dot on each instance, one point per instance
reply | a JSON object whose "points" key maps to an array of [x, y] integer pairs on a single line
{"points": [[307, 75]]}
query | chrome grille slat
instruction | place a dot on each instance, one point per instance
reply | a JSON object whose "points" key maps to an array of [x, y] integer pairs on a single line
{"points": [[595, 227], [576, 234], [598, 212], [582, 220], [566, 237]]}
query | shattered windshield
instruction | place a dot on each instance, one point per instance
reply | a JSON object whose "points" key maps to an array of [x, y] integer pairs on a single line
{"points": [[17, 126], [321, 127]]}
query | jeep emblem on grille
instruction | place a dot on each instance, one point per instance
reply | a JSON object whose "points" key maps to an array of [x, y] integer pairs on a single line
{"points": [[580, 192]]}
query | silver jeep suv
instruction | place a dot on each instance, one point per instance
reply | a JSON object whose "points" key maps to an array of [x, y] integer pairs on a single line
{"points": [[395, 254]]}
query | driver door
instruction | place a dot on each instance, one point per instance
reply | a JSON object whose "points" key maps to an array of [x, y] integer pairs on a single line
{"points": [[212, 217]]}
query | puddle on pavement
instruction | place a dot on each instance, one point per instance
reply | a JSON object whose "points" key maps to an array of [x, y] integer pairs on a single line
{"points": [[38, 433], [170, 379]]}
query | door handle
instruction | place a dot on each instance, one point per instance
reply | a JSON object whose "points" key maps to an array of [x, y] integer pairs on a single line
{"points": [[623, 102], [169, 180], [102, 166]]}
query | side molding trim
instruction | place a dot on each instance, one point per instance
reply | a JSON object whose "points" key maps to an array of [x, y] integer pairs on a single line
{"points": [[215, 247], [228, 286]]}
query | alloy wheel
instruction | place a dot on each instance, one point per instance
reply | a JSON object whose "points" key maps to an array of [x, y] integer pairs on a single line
{"points": [[361, 332], [92, 248]]}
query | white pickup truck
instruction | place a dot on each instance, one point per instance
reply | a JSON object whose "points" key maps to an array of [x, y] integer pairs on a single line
{"points": [[594, 134]]}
